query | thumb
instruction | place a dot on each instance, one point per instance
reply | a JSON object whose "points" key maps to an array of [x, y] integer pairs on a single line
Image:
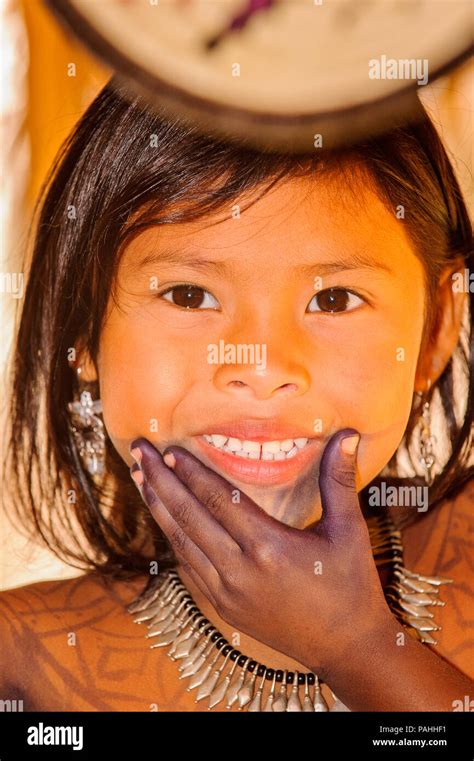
{"points": [[337, 484]]}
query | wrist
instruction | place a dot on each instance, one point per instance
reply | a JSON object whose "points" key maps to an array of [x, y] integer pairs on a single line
{"points": [[386, 669], [364, 646]]}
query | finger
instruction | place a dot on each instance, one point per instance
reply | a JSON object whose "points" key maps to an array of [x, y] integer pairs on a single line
{"points": [[188, 568], [337, 484], [194, 560], [188, 555], [236, 512], [194, 519]]}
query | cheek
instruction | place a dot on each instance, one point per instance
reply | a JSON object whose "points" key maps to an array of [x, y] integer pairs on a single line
{"points": [[374, 394], [143, 379]]}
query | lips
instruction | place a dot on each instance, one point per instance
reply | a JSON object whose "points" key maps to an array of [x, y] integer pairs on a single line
{"points": [[258, 452]]}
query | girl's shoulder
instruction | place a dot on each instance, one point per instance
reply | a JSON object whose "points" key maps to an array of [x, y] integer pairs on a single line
{"points": [[63, 601], [442, 544], [47, 627], [442, 539]]}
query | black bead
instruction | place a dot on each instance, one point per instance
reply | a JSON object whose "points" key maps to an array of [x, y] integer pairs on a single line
{"points": [[226, 649], [301, 678], [279, 676], [215, 637], [290, 677], [221, 642], [234, 655], [311, 679], [261, 670], [242, 660], [251, 666], [269, 674]]}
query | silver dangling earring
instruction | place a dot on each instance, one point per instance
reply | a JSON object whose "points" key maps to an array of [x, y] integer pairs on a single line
{"points": [[88, 430], [427, 441]]}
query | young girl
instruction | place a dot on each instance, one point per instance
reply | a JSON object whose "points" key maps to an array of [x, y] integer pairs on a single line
{"points": [[277, 351]]}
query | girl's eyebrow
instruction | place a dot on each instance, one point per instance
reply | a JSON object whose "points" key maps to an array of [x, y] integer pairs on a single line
{"points": [[354, 262], [181, 257], [226, 267]]}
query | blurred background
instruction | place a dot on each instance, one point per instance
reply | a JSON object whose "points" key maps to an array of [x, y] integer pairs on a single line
{"points": [[40, 104]]}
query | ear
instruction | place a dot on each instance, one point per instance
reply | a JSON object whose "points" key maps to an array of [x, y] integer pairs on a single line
{"points": [[84, 365], [440, 345]]}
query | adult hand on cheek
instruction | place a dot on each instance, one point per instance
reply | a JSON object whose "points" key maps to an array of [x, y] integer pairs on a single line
{"points": [[313, 594]]}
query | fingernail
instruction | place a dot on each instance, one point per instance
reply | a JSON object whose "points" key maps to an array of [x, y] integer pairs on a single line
{"points": [[169, 459], [349, 444], [136, 454], [137, 476]]}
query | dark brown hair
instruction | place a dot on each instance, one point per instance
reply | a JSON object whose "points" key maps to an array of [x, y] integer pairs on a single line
{"points": [[122, 169]]}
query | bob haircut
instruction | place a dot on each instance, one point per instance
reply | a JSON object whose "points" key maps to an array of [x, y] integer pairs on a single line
{"points": [[122, 169]]}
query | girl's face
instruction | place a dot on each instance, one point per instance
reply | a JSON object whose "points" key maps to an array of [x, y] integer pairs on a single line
{"points": [[264, 351]]}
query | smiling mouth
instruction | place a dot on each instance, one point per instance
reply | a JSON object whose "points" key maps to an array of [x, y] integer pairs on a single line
{"points": [[267, 462], [269, 451]]}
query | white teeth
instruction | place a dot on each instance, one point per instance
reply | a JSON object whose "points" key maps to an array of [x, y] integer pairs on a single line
{"points": [[235, 445], [271, 446], [218, 440], [251, 446], [253, 450], [300, 443]]}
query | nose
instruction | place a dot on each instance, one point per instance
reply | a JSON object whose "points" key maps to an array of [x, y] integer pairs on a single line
{"points": [[279, 377]]}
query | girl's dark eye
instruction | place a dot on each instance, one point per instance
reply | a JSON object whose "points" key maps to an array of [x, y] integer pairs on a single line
{"points": [[334, 300], [190, 297]]}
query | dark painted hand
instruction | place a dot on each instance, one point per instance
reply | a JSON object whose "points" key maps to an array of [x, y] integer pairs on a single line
{"points": [[311, 594]]}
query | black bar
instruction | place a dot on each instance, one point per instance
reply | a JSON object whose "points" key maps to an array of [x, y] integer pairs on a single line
{"points": [[152, 735]]}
